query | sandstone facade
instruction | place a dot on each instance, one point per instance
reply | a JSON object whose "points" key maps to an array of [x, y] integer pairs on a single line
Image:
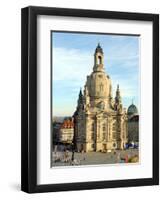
{"points": [[100, 120]]}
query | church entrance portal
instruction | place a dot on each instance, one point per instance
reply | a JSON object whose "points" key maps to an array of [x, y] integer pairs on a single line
{"points": [[104, 147]]}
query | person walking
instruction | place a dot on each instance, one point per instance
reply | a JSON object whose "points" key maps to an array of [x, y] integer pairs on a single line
{"points": [[83, 156], [118, 157], [72, 157], [126, 158]]}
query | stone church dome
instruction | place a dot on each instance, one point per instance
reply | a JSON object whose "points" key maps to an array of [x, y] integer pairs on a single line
{"points": [[132, 110], [99, 84]]}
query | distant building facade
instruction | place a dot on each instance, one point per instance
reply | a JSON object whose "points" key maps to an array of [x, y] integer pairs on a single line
{"points": [[100, 120], [56, 129], [133, 124], [66, 131]]}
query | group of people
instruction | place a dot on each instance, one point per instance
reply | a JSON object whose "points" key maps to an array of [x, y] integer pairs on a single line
{"points": [[66, 156], [127, 158]]}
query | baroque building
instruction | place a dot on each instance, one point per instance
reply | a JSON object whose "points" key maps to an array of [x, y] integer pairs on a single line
{"points": [[66, 132], [133, 124], [63, 132], [100, 120]]}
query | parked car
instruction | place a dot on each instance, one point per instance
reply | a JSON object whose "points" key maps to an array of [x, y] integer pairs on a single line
{"points": [[131, 145]]}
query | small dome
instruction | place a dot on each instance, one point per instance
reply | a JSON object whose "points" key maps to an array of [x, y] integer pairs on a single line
{"points": [[132, 110]]}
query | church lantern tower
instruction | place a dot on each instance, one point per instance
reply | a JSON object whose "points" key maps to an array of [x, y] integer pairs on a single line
{"points": [[98, 59]]}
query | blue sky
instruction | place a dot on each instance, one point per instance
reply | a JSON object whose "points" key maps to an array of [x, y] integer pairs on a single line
{"points": [[73, 59]]}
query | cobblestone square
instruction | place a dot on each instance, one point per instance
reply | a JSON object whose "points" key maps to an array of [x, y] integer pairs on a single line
{"points": [[95, 158]]}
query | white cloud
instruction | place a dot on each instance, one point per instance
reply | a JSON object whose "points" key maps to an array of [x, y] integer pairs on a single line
{"points": [[71, 64]]}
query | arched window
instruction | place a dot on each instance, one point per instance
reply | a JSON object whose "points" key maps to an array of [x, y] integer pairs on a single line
{"points": [[92, 128], [92, 131], [104, 128], [104, 132], [101, 87], [99, 60], [114, 129]]}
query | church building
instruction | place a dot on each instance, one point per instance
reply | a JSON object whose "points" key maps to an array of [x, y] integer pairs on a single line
{"points": [[100, 120]]}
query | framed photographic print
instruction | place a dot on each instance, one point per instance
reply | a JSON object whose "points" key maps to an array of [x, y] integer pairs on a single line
{"points": [[90, 99]]}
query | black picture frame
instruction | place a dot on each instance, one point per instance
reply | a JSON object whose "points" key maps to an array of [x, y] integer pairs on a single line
{"points": [[29, 99]]}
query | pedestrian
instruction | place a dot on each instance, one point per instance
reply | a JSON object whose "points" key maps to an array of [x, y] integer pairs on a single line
{"points": [[83, 156], [118, 157], [126, 158], [72, 158]]}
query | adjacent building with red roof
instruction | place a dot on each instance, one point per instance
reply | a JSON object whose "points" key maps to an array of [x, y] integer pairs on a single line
{"points": [[66, 131]]}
